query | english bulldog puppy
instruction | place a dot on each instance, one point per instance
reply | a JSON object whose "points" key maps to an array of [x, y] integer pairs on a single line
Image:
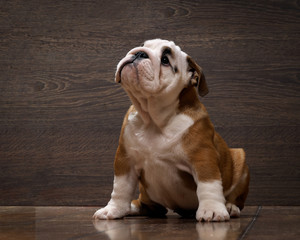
{"points": [[169, 146]]}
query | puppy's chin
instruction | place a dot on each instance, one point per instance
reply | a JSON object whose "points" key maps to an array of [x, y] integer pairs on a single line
{"points": [[129, 75], [139, 76]]}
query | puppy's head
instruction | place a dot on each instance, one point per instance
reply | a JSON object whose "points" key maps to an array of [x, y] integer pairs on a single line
{"points": [[159, 67]]}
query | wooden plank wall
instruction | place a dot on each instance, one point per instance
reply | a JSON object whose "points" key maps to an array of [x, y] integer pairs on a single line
{"points": [[61, 112]]}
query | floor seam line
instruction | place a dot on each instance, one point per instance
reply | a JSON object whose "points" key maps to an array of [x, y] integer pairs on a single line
{"points": [[250, 225]]}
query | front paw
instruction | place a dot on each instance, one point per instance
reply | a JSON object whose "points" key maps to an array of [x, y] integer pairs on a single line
{"points": [[111, 212], [211, 210]]}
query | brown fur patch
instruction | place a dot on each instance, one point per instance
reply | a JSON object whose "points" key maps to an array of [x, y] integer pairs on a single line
{"points": [[207, 151], [122, 163]]}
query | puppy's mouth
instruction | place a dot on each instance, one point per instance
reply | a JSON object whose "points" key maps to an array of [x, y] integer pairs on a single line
{"points": [[134, 58], [119, 79]]}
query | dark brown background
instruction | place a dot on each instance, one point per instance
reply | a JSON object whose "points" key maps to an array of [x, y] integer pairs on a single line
{"points": [[61, 112]]}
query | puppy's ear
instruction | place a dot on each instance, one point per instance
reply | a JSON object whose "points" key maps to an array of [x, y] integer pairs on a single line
{"points": [[198, 78]]}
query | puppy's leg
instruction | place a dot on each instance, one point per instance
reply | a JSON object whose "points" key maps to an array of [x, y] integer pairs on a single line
{"points": [[125, 182], [209, 187], [211, 202], [241, 177], [119, 204], [145, 206], [236, 199]]}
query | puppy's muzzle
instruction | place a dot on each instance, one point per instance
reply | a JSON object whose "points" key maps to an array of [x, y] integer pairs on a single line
{"points": [[136, 57]]}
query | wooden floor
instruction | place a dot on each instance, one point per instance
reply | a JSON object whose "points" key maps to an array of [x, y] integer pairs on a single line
{"points": [[256, 222]]}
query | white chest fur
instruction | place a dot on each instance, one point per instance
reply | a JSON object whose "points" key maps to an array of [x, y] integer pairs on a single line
{"points": [[161, 157]]}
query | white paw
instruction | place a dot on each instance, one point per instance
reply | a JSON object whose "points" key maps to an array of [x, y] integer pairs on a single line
{"points": [[211, 210], [233, 210], [111, 212]]}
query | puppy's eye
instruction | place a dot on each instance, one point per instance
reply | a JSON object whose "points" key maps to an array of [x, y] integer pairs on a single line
{"points": [[165, 60]]}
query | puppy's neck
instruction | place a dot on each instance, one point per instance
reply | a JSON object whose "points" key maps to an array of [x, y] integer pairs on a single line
{"points": [[158, 111], [155, 111], [162, 110]]}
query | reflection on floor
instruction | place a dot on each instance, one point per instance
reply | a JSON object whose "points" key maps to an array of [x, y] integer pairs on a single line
{"points": [[77, 223]]}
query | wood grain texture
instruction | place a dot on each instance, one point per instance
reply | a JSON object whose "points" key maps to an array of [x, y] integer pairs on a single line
{"points": [[61, 112]]}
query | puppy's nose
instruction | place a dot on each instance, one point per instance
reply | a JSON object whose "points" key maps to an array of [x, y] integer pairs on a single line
{"points": [[140, 55]]}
